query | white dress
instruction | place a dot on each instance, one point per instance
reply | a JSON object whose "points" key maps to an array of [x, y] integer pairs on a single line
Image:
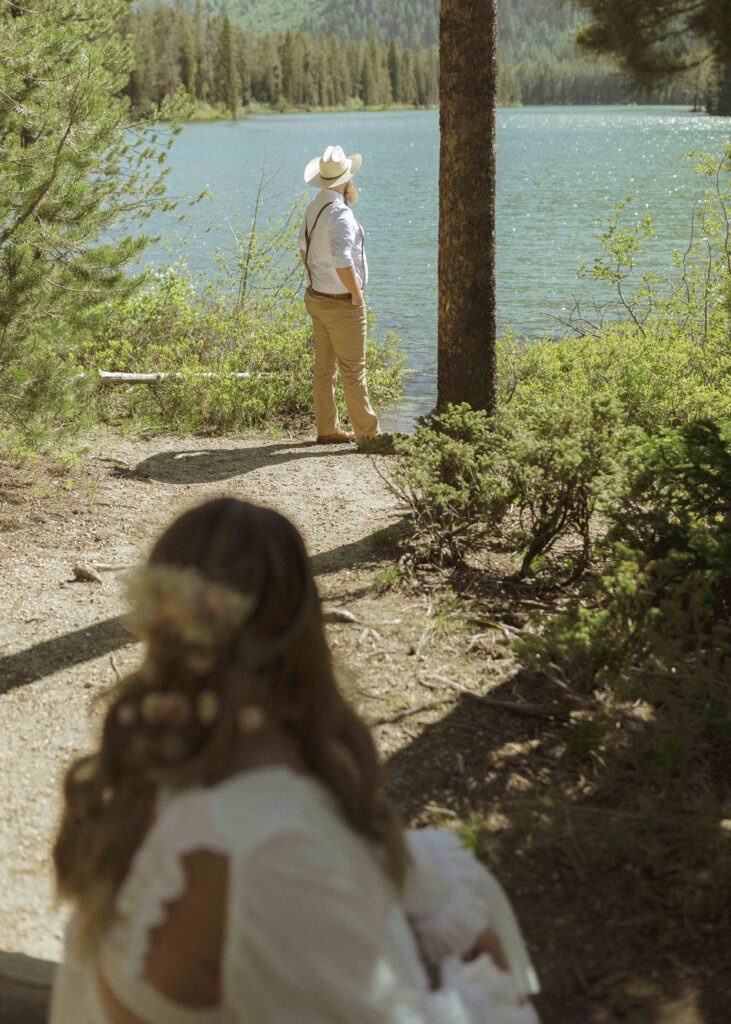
{"points": [[315, 932]]}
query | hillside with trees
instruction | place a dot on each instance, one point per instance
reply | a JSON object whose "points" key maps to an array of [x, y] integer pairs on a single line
{"points": [[224, 64], [287, 54]]}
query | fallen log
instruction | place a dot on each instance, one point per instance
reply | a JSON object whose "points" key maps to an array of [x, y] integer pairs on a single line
{"points": [[113, 377]]}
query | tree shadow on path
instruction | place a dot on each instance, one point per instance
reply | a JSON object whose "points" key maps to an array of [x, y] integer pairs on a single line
{"points": [[63, 652], [92, 641]]}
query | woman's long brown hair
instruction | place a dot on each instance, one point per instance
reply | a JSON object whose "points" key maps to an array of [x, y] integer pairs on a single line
{"points": [[278, 661]]}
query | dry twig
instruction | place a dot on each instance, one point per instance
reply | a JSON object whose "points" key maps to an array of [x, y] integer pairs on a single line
{"points": [[414, 711]]}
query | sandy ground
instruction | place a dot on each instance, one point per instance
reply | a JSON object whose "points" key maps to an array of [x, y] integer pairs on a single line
{"points": [[468, 742], [61, 643]]}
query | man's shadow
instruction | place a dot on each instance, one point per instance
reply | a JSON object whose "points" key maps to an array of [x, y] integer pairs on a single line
{"points": [[205, 466]]}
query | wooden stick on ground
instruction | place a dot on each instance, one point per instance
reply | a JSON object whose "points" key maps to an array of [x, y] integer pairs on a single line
{"points": [[415, 711]]}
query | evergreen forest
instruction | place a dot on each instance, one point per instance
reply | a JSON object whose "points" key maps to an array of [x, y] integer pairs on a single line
{"points": [[223, 65], [382, 53]]}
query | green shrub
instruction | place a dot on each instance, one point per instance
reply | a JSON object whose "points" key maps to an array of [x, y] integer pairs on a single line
{"points": [[660, 378], [41, 401], [448, 479], [665, 597], [250, 320], [678, 488], [559, 459], [203, 338], [532, 478], [662, 348]]}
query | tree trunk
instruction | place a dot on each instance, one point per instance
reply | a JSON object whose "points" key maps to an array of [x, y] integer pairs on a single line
{"points": [[468, 78], [719, 100]]}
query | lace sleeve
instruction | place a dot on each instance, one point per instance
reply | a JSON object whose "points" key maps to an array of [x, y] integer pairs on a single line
{"points": [[156, 878], [309, 940], [450, 898]]}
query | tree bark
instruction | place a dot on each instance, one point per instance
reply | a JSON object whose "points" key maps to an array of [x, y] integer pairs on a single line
{"points": [[719, 101], [468, 79]]}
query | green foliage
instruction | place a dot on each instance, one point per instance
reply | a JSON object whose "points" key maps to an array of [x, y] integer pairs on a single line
{"points": [[665, 596], [205, 339], [661, 376], [560, 459], [662, 39], [662, 350], [386, 577], [251, 321], [679, 484], [619, 437], [379, 55], [223, 65], [447, 479], [73, 163], [532, 478]]}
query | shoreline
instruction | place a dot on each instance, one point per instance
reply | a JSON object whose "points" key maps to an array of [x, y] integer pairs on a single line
{"points": [[213, 116], [210, 115]]}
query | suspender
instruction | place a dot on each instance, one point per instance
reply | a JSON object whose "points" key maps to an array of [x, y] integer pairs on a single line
{"points": [[309, 234], [308, 239]]}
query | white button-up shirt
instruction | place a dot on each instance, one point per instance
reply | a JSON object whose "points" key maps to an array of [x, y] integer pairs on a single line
{"points": [[337, 242]]}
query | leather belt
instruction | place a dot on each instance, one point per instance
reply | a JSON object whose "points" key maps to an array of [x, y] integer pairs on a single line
{"points": [[343, 296]]}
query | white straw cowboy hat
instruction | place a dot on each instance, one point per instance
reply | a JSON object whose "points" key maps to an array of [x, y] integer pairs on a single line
{"points": [[332, 168]]}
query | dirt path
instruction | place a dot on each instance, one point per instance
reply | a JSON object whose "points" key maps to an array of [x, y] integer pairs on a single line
{"points": [[439, 688], [61, 643]]}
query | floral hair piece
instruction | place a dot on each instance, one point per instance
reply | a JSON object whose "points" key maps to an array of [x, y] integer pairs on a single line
{"points": [[251, 719], [173, 708], [181, 608]]}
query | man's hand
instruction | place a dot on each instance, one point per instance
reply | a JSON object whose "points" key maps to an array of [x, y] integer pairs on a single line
{"points": [[351, 284]]}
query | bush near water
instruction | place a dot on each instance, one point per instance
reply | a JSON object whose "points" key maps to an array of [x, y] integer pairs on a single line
{"points": [[250, 319], [610, 451], [202, 339], [593, 513]]}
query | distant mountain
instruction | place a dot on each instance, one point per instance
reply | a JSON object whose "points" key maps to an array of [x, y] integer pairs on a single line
{"points": [[526, 26], [270, 15], [538, 58]]}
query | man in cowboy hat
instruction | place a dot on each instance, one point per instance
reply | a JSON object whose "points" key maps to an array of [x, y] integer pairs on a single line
{"points": [[332, 245]]}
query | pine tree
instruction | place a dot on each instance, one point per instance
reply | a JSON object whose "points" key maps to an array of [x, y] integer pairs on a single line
{"points": [[71, 167], [187, 55], [394, 70], [658, 39], [408, 92], [202, 80], [243, 67], [144, 71], [167, 77], [270, 70], [227, 80], [289, 76]]}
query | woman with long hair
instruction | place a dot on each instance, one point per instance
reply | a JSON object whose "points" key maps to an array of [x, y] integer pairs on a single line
{"points": [[229, 850]]}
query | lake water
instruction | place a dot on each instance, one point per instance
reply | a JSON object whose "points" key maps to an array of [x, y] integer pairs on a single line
{"points": [[559, 169]]}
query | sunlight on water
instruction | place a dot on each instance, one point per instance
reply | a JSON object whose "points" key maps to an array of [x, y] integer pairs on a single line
{"points": [[559, 169]]}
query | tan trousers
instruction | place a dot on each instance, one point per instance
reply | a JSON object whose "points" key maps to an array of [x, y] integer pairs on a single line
{"points": [[340, 338]]}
